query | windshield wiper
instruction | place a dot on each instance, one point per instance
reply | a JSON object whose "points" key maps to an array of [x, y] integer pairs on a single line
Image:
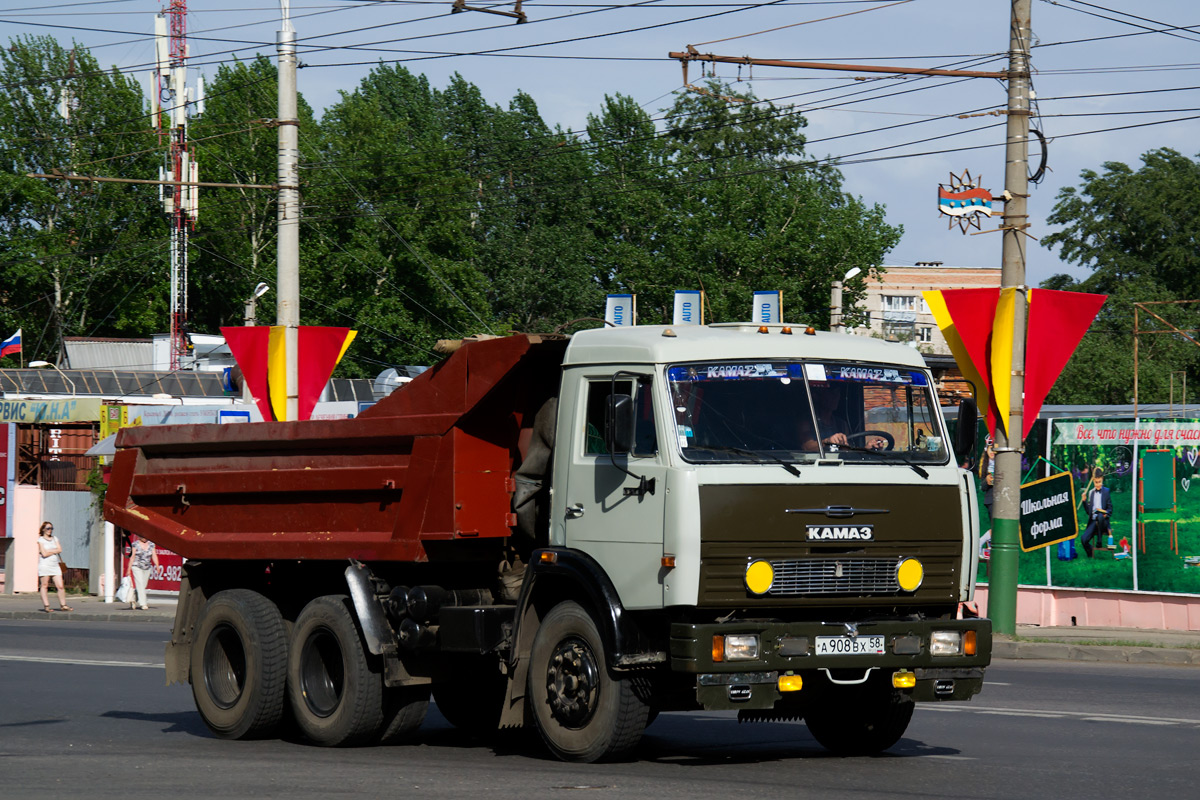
{"points": [[895, 454], [756, 455]]}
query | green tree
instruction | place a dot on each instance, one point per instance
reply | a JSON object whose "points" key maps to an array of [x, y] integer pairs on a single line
{"points": [[1137, 233], [748, 210], [75, 258], [233, 245], [385, 251]]}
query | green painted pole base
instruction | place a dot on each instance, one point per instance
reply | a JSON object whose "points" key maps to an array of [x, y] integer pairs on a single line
{"points": [[1002, 584]]}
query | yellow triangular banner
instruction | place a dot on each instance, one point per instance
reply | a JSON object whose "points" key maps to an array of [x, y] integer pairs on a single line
{"points": [[1002, 353], [941, 315], [277, 371]]}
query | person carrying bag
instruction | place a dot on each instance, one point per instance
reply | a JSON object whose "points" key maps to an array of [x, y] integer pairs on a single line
{"points": [[142, 559]]}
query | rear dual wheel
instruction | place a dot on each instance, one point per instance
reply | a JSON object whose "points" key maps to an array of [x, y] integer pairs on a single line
{"points": [[335, 687], [239, 665]]}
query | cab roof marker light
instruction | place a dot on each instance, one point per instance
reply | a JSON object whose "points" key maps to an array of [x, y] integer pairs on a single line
{"points": [[763, 329], [810, 331], [786, 329]]}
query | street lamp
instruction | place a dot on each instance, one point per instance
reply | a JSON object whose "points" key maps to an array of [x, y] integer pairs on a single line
{"points": [[252, 300], [56, 369], [835, 301]]}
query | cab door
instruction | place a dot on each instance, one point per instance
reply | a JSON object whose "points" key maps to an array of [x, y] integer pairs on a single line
{"points": [[605, 514]]}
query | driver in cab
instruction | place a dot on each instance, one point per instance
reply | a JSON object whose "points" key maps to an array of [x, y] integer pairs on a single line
{"points": [[832, 424]]}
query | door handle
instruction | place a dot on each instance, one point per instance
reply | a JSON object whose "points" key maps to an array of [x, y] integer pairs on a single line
{"points": [[575, 511]]}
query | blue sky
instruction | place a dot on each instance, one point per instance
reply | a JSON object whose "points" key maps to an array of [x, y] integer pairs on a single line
{"points": [[1132, 72]]}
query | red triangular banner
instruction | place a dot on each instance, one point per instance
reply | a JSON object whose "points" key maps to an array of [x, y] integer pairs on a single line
{"points": [[248, 344], [973, 311], [321, 348], [1057, 323]]}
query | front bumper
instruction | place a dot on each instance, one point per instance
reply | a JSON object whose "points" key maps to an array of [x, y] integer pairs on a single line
{"points": [[752, 684]]}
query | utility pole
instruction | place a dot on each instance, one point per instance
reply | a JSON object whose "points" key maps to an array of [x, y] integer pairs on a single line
{"points": [[287, 275], [1002, 589]]}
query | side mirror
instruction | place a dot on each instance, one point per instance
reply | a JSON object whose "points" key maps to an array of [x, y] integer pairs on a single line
{"points": [[619, 419], [967, 433]]}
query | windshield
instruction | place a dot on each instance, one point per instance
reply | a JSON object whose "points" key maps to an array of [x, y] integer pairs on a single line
{"points": [[799, 411]]}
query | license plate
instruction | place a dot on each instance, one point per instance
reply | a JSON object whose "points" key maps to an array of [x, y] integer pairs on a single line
{"points": [[847, 646]]}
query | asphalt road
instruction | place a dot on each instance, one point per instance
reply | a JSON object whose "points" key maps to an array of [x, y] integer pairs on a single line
{"points": [[83, 710]]}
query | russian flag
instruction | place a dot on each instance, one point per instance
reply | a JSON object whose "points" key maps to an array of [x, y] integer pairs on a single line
{"points": [[11, 345]]}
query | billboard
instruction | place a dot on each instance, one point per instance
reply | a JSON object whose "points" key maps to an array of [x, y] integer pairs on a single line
{"points": [[1137, 518]]}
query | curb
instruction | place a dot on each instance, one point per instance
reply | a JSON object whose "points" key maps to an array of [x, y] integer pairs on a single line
{"points": [[1062, 651], [89, 616]]}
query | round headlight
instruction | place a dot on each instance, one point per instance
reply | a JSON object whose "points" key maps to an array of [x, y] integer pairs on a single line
{"points": [[759, 577], [909, 574]]}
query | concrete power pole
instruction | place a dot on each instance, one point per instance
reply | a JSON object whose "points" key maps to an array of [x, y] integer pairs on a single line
{"points": [[287, 283], [1002, 591]]}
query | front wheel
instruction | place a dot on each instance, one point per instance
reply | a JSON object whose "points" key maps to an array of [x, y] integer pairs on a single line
{"points": [[239, 665], [583, 713], [860, 722], [334, 686]]}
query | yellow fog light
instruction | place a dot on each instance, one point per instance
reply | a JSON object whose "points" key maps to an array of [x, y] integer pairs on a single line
{"points": [[790, 683], [909, 574], [904, 679], [759, 577]]}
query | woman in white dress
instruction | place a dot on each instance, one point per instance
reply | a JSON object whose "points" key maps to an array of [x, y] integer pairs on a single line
{"points": [[49, 560]]}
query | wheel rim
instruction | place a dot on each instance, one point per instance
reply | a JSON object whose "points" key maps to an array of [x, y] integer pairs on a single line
{"points": [[224, 666], [322, 674], [572, 682]]}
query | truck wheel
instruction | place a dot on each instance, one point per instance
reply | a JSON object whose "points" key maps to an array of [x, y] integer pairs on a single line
{"points": [[334, 686], [582, 712], [239, 665], [471, 697], [861, 723], [404, 710]]}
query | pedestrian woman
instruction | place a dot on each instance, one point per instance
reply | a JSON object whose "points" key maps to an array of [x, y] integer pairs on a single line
{"points": [[50, 558], [140, 562]]}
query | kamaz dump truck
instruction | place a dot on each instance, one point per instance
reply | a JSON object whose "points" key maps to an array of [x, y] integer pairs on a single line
{"points": [[576, 534]]}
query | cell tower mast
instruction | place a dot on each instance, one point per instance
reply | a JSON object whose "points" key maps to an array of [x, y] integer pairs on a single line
{"points": [[171, 101]]}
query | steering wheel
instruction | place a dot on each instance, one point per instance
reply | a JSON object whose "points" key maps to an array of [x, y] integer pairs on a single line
{"points": [[887, 437]]}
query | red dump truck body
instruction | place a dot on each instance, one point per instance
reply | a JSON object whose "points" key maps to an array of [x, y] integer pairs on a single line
{"points": [[432, 462]]}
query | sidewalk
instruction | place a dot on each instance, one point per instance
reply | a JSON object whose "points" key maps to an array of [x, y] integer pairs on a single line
{"points": [[28, 605], [1129, 645]]}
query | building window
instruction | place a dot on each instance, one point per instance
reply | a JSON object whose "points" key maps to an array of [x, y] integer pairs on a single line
{"points": [[900, 302], [924, 334]]}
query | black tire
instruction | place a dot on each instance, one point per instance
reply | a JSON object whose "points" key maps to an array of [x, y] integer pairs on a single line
{"points": [[860, 722], [238, 665], [471, 696], [582, 711], [335, 688], [404, 709]]}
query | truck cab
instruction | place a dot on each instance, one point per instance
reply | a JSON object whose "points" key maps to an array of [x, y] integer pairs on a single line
{"points": [[788, 503]]}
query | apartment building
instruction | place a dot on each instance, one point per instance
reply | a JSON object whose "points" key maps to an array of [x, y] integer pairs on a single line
{"points": [[896, 309]]}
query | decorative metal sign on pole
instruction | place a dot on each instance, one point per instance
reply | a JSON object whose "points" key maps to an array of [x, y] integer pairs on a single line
{"points": [[964, 201]]}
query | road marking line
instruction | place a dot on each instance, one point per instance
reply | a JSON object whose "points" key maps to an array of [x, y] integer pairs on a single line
{"points": [[952, 758], [83, 662], [1090, 716]]}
